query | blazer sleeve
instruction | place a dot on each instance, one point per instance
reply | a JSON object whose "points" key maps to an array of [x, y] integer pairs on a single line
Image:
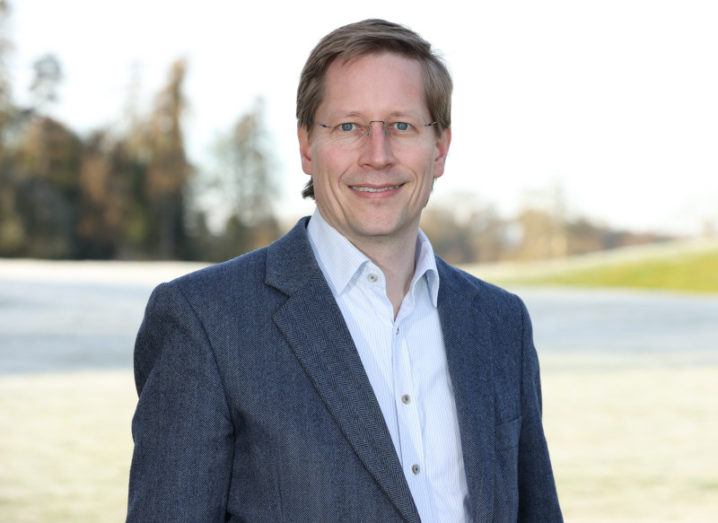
{"points": [[538, 499], [182, 430]]}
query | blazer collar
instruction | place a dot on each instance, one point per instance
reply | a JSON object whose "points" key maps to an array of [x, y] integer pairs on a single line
{"points": [[314, 327], [290, 261]]}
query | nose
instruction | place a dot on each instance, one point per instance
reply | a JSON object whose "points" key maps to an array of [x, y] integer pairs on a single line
{"points": [[376, 151]]}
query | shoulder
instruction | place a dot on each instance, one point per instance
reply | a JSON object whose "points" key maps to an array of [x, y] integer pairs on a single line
{"points": [[239, 271], [232, 289], [214, 293], [484, 295], [285, 264]]}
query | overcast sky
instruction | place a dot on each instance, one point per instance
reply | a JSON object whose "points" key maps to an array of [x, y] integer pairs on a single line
{"points": [[615, 101]]}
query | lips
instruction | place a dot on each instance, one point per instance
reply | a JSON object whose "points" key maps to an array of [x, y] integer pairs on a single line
{"points": [[375, 189]]}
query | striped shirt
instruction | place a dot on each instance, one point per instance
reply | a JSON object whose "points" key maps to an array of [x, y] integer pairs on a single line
{"points": [[405, 361]]}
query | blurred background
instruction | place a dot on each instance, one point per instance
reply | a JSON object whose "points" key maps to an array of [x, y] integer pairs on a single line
{"points": [[142, 140]]}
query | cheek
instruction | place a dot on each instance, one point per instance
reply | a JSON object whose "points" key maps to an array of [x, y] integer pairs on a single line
{"points": [[333, 167], [421, 160], [323, 159]]}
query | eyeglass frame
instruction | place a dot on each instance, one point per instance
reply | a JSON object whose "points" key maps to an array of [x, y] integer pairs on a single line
{"points": [[369, 126]]}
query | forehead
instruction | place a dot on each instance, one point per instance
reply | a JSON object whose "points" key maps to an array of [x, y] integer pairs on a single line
{"points": [[373, 85]]}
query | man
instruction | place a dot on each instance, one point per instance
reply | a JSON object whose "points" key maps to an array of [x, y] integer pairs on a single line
{"points": [[344, 373]]}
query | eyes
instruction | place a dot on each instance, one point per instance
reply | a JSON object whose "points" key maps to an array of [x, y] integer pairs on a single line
{"points": [[389, 127]]}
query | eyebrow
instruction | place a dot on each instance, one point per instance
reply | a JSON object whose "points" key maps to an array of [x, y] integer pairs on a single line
{"points": [[345, 114]]}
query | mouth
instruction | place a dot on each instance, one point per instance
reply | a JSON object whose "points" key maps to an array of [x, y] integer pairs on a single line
{"points": [[375, 188]]}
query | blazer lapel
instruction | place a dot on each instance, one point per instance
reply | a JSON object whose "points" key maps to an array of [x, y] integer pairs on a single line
{"points": [[467, 337], [314, 327]]}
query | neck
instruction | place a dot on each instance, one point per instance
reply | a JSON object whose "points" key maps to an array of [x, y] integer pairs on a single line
{"points": [[396, 258]]}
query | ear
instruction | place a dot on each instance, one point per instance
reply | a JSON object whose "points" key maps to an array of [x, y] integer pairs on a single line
{"points": [[441, 150], [305, 149]]}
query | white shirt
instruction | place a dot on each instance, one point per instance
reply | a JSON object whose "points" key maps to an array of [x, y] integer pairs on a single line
{"points": [[405, 361]]}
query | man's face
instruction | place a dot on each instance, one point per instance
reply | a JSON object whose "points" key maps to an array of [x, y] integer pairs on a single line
{"points": [[376, 188]]}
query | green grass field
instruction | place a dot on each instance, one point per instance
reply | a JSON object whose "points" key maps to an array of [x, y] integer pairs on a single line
{"points": [[628, 443], [695, 272]]}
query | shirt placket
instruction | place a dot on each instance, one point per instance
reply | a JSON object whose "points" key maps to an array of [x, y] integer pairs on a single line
{"points": [[407, 421], [413, 458]]}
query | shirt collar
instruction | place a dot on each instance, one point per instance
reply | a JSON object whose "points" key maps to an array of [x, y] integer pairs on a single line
{"points": [[340, 260], [426, 264], [337, 257]]}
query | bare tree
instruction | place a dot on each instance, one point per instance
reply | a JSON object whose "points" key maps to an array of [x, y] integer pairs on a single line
{"points": [[246, 182], [168, 167]]}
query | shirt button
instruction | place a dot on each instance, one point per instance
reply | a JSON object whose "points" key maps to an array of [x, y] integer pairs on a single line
{"points": [[406, 399], [373, 278], [415, 469]]}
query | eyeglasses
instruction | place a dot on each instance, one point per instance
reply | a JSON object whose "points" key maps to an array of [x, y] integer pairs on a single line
{"points": [[350, 135]]}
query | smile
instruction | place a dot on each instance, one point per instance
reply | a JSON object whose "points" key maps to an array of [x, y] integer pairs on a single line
{"points": [[365, 188]]}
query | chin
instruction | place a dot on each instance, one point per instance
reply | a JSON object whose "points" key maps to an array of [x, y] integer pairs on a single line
{"points": [[377, 230]]}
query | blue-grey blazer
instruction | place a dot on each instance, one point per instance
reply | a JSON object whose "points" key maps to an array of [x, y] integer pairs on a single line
{"points": [[254, 404]]}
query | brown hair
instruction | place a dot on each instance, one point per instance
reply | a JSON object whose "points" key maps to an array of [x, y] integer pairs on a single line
{"points": [[370, 37]]}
